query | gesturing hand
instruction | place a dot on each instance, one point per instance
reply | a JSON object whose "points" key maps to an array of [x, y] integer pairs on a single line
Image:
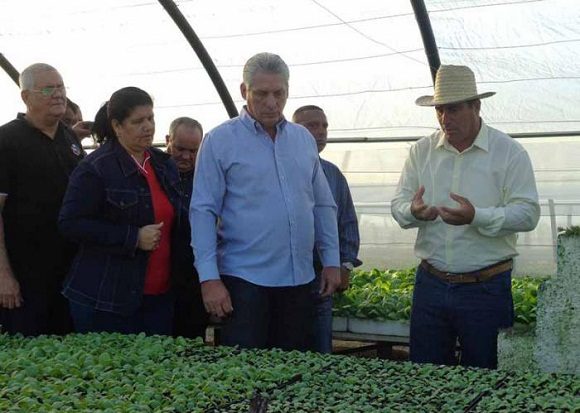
{"points": [[216, 298], [149, 236], [420, 209], [458, 216], [82, 129]]}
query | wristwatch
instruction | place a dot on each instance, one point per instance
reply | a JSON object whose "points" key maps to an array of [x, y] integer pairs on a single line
{"points": [[347, 265]]}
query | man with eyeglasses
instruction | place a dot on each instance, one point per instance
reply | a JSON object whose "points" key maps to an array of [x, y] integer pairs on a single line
{"points": [[37, 155]]}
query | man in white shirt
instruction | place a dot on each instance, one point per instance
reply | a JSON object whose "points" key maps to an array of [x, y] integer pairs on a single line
{"points": [[469, 189]]}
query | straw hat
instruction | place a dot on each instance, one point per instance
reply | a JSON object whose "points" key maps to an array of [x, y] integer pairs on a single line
{"points": [[453, 84]]}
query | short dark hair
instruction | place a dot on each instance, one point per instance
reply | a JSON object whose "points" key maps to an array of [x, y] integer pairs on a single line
{"points": [[101, 127], [70, 104], [471, 103], [306, 108], [119, 107]]}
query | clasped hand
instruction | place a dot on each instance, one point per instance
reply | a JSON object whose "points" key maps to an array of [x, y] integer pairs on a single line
{"points": [[462, 215]]}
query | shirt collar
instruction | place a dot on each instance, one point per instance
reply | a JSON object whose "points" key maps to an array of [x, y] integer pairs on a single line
{"points": [[481, 140], [254, 125]]}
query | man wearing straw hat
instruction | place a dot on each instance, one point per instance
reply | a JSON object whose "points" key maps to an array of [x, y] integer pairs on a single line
{"points": [[469, 189]]}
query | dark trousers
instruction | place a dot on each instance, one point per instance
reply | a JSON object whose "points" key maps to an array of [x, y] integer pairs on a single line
{"points": [[154, 316], [444, 313], [322, 320], [268, 317], [190, 319], [42, 312]]}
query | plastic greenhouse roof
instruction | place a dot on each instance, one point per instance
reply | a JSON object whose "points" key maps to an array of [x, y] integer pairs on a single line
{"points": [[362, 61]]}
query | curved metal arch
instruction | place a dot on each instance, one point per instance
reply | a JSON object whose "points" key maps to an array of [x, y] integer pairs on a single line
{"points": [[429, 43], [199, 49], [9, 69]]}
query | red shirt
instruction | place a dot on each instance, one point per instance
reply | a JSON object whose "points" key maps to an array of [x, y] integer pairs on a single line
{"points": [[159, 264]]}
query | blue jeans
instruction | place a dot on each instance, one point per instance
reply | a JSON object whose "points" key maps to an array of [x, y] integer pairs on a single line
{"points": [[444, 313], [154, 316], [322, 323], [268, 317]]}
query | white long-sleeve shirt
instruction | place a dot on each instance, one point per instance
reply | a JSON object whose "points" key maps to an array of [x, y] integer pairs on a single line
{"points": [[495, 174]]}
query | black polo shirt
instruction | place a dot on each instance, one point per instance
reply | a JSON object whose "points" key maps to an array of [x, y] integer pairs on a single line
{"points": [[34, 172]]}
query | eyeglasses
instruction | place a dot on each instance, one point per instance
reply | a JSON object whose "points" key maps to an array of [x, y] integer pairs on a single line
{"points": [[49, 90]]}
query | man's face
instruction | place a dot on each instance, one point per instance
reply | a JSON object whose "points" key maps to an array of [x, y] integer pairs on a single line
{"points": [[48, 97], [183, 147], [459, 121], [70, 117], [315, 121], [266, 98]]}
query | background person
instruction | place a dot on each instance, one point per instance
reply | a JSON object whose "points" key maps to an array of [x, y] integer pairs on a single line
{"points": [[469, 189], [73, 118], [37, 155], [259, 183], [190, 318], [72, 114], [314, 119], [122, 206]]}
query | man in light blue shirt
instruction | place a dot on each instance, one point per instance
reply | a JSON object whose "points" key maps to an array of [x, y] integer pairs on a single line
{"points": [[260, 204]]}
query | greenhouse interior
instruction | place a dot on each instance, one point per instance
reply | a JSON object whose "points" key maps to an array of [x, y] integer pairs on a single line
{"points": [[364, 63]]}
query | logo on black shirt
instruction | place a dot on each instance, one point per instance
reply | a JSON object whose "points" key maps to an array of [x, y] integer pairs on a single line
{"points": [[75, 149]]}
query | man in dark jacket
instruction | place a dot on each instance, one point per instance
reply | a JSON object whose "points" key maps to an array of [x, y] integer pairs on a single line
{"points": [[190, 318]]}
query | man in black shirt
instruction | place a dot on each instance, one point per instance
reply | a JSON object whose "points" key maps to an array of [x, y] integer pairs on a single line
{"points": [[37, 155], [190, 318]]}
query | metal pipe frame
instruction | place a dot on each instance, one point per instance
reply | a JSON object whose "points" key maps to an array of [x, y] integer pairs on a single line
{"points": [[9, 69], [523, 135], [198, 47], [429, 43]]}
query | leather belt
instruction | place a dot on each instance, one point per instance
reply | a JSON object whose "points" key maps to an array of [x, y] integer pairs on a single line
{"points": [[481, 275]]}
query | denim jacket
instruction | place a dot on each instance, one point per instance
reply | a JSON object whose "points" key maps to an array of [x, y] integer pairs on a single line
{"points": [[106, 202]]}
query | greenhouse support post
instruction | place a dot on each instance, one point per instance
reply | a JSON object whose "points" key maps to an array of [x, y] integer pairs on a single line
{"points": [[427, 35], [554, 227], [9, 69]]}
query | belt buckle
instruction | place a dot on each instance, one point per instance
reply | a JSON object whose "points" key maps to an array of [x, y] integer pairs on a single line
{"points": [[451, 276]]}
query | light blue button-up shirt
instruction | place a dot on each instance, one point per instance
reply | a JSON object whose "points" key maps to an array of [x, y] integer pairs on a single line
{"points": [[259, 206]]}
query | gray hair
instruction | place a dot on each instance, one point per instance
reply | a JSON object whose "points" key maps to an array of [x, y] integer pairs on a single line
{"points": [[184, 120], [265, 62], [27, 78]]}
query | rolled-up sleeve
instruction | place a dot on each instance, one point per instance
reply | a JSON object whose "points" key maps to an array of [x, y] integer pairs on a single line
{"points": [[521, 210], [348, 232]]}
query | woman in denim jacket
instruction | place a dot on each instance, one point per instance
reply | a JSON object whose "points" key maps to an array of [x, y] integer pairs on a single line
{"points": [[122, 206]]}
